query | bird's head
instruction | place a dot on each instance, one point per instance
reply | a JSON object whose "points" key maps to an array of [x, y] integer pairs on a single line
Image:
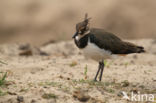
{"points": [[82, 27]]}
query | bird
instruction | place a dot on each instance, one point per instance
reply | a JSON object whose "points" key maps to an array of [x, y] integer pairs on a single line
{"points": [[100, 45]]}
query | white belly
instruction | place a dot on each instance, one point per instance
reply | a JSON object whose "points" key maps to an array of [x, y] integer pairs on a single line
{"points": [[94, 52]]}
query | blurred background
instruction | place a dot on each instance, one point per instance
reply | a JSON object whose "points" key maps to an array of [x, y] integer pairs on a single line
{"points": [[39, 21]]}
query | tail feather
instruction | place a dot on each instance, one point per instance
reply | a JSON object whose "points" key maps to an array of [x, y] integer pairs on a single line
{"points": [[140, 49], [132, 48]]}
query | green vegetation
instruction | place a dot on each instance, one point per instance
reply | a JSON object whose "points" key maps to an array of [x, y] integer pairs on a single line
{"points": [[126, 64], [2, 82], [49, 96], [109, 90], [3, 78], [107, 86], [2, 93], [105, 63], [53, 84], [125, 83], [93, 83], [85, 72], [74, 63]]}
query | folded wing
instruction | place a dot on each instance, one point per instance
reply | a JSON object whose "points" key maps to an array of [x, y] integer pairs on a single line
{"points": [[109, 41]]}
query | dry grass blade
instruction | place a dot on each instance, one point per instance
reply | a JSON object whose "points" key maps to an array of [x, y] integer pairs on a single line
{"points": [[3, 63]]}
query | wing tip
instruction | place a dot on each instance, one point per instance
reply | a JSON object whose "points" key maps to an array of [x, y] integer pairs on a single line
{"points": [[140, 49]]}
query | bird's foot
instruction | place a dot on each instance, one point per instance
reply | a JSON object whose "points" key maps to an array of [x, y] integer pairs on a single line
{"points": [[95, 80]]}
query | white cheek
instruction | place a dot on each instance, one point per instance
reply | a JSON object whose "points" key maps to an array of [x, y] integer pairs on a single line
{"points": [[77, 37]]}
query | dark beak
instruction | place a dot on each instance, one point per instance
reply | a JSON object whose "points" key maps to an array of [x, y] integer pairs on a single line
{"points": [[75, 35]]}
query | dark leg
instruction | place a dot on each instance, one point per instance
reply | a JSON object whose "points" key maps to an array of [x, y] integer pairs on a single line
{"points": [[102, 68], [97, 71]]}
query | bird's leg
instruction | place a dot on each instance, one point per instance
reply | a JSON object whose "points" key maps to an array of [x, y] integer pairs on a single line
{"points": [[97, 71], [102, 68]]}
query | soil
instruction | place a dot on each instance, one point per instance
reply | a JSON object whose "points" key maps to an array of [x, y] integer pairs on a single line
{"points": [[59, 73]]}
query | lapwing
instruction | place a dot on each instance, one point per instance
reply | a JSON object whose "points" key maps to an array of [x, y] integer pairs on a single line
{"points": [[100, 45]]}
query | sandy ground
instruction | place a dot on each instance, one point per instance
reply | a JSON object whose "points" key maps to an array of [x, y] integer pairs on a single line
{"points": [[58, 73]]}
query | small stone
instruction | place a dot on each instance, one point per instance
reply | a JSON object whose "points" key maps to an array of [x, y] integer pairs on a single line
{"points": [[154, 79], [125, 83], [26, 53], [24, 47], [120, 93], [11, 93], [68, 78], [132, 62], [20, 99], [135, 57], [61, 76], [33, 101], [45, 87], [134, 90], [81, 96]]}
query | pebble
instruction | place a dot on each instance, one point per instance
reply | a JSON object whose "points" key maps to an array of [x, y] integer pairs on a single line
{"points": [[20, 99], [120, 94], [81, 96], [33, 101]]}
